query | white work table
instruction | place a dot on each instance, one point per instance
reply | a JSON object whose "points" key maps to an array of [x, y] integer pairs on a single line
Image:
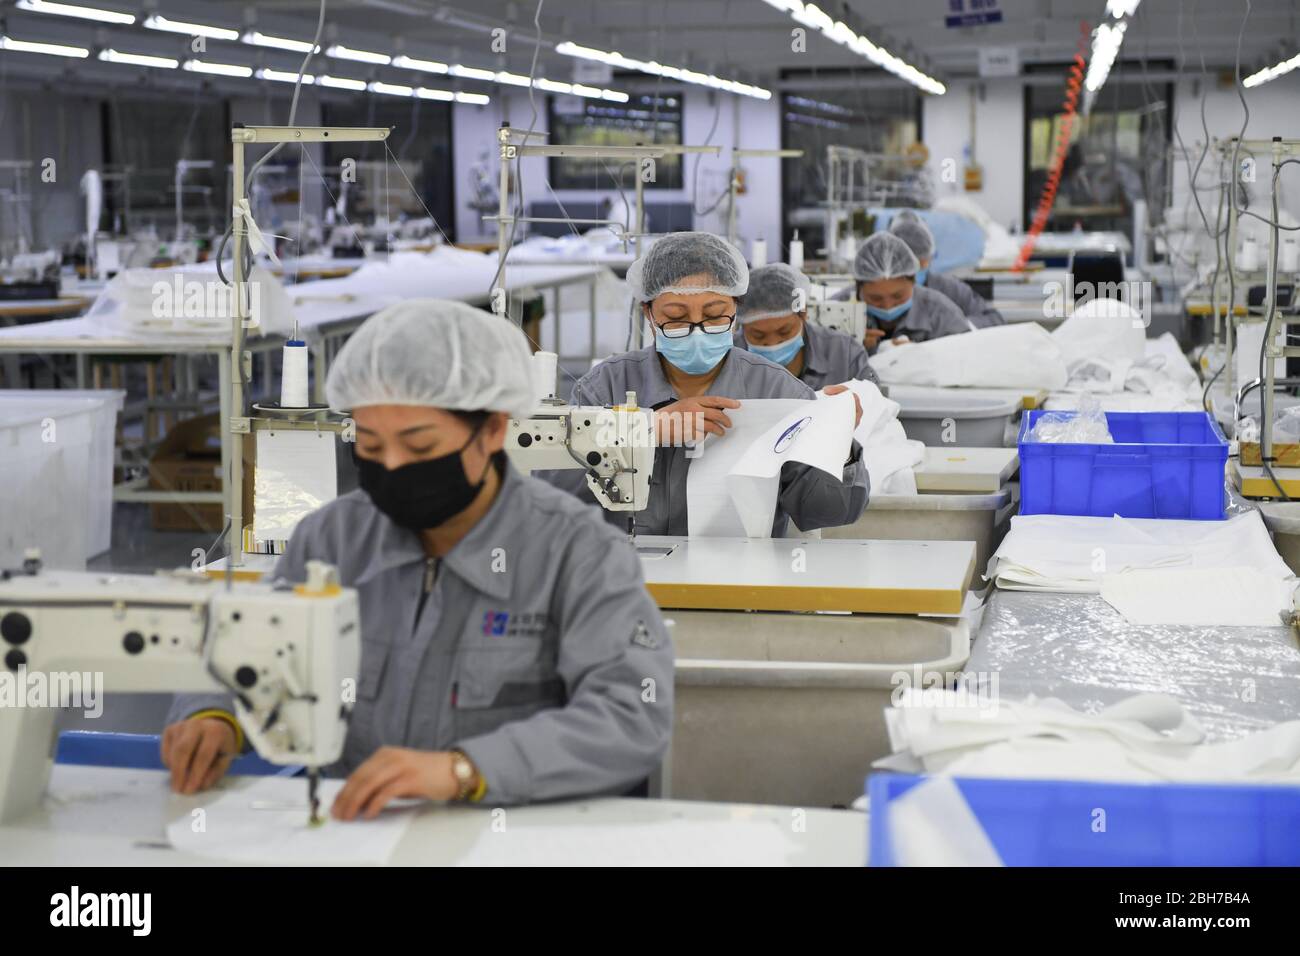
{"points": [[98, 816]]}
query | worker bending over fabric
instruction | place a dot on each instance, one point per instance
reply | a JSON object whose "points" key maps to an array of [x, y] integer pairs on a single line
{"points": [[506, 634], [773, 319], [912, 229], [899, 310], [687, 285]]}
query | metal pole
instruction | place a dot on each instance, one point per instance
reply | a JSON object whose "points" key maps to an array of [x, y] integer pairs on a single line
{"points": [[640, 231], [503, 218], [234, 486], [1270, 316]]}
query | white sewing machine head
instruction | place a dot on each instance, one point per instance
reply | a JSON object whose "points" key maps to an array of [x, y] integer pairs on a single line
{"points": [[842, 315], [288, 654]]}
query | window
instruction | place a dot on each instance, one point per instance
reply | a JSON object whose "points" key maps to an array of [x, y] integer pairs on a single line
{"points": [[1117, 152], [578, 121], [882, 121]]}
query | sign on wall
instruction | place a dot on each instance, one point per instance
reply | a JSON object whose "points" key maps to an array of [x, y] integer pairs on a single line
{"points": [[971, 13]]}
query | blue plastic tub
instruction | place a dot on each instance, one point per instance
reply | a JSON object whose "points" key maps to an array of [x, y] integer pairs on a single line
{"points": [[1162, 465], [1076, 823]]}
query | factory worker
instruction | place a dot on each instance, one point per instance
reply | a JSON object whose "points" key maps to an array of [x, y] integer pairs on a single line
{"points": [[773, 320], [688, 285], [899, 310], [507, 636], [912, 229]]}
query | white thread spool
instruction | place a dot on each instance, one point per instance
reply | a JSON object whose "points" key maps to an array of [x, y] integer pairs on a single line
{"points": [[293, 375], [1288, 256], [796, 253], [545, 365], [758, 254], [1248, 259]]}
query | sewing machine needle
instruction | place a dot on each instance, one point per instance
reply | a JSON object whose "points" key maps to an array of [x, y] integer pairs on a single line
{"points": [[313, 781]]}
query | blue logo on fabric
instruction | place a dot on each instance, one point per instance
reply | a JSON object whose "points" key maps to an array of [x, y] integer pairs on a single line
{"points": [[494, 623], [790, 434]]}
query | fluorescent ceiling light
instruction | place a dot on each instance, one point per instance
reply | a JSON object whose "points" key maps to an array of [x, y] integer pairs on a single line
{"points": [[837, 31], [341, 83], [614, 96], [283, 76], [404, 62], [218, 69], [1121, 8], [512, 79], [361, 56], [1106, 42], [74, 10], [551, 86], [1272, 72], [472, 72], [478, 99], [138, 59], [156, 22], [278, 43], [391, 89], [425, 93], [52, 49], [657, 69]]}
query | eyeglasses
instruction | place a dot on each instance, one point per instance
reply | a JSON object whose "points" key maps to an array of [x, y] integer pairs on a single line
{"points": [[714, 325]]}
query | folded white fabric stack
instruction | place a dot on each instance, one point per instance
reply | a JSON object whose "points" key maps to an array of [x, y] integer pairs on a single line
{"points": [[1074, 554], [1147, 737]]}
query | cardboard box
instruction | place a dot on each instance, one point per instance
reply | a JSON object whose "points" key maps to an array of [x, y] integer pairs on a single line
{"points": [[189, 459]]}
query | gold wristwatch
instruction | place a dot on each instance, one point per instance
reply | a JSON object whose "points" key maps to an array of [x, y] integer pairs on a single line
{"points": [[464, 771]]}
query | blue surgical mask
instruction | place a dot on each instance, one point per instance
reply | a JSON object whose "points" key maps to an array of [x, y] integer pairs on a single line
{"points": [[696, 353], [890, 315], [921, 274], [782, 353]]}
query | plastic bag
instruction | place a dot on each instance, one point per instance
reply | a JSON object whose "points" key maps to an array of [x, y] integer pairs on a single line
{"points": [[1086, 426]]}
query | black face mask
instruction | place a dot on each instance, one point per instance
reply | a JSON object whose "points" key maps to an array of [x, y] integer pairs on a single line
{"points": [[423, 494]]}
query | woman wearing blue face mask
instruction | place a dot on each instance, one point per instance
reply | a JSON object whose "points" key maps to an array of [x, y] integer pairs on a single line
{"points": [[688, 285], [773, 318], [898, 309]]}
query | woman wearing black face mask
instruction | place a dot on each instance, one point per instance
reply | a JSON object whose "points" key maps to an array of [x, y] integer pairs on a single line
{"points": [[506, 630]]}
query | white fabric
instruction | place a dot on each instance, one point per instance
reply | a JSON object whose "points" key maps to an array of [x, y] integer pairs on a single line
{"points": [[890, 456], [1023, 355], [1147, 737], [1102, 328], [434, 353], [1204, 597], [1073, 554]]}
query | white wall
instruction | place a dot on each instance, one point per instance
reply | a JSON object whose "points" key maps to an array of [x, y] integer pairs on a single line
{"points": [[750, 123], [999, 144]]}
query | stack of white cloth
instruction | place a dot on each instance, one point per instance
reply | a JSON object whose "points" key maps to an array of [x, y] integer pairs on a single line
{"points": [[1147, 737], [1024, 355], [890, 456]]}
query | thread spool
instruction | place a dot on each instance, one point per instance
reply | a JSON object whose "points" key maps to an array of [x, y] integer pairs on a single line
{"points": [[796, 253], [293, 375], [1288, 256], [1248, 259], [758, 254], [545, 366]]}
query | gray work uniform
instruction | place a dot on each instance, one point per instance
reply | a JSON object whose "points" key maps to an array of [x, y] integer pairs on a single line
{"points": [[811, 497], [971, 303], [931, 316], [529, 646], [829, 357]]}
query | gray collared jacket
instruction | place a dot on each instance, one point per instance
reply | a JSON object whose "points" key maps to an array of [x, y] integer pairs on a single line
{"points": [[532, 646], [971, 303], [830, 357], [811, 497]]}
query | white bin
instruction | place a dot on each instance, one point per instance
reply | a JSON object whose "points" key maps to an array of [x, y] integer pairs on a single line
{"points": [[789, 708], [982, 422], [981, 518], [56, 474]]}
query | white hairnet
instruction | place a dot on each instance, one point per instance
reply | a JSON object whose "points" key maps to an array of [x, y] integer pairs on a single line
{"points": [[688, 263], [912, 229], [774, 291], [884, 256], [434, 353]]}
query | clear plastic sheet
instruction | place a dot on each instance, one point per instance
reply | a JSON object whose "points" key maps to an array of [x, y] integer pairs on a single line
{"points": [[1085, 426], [1076, 647]]}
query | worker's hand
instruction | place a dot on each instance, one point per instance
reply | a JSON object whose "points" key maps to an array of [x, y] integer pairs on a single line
{"points": [[689, 420], [197, 752], [391, 773], [857, 402], [872, 338]]}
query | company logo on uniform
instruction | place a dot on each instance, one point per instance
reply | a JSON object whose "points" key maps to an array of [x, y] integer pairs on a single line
{"points": [[790, 434], [494, 623]]}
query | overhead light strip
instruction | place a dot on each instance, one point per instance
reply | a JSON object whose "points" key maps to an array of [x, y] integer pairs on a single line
{"points": [[75, 10], [658, 69]]}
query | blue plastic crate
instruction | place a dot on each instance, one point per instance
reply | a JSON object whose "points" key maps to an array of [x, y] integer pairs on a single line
{"points": [[1162, 465], [1053, 822]]}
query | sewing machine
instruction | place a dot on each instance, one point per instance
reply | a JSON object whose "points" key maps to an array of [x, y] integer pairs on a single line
{"points": [[289, 655], [843, 315]]}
